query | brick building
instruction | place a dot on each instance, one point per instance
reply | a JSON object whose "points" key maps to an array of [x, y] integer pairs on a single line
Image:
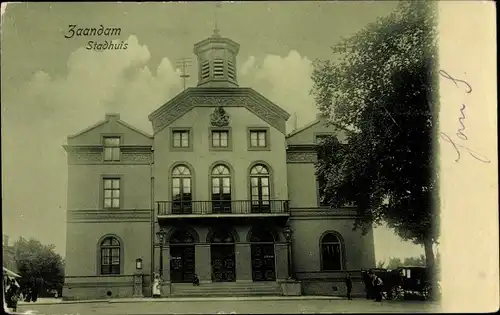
{"points": [[219, 190]]}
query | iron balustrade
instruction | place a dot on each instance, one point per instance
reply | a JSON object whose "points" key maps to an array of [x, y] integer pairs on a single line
{"points": [[222, 207]]}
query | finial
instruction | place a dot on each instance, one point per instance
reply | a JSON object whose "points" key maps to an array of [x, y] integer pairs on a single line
{"points": [[216, 29]]}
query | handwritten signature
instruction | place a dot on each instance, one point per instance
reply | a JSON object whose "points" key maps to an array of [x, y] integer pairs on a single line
{"points": [[461, 120]]}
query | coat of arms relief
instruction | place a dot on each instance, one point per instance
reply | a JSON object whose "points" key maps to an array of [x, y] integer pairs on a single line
{"points": [[219, 118]]}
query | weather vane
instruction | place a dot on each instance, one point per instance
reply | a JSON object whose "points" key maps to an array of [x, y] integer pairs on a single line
{"points": [[216, 28]]}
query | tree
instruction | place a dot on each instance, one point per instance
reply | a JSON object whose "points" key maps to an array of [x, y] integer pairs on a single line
{"points": [[380, 92], [395, 262], [37, 261]]}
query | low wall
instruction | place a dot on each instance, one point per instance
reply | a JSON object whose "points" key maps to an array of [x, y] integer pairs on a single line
{"points": [[105, 287], [330, 283]]}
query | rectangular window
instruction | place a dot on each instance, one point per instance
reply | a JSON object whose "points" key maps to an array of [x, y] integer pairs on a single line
{"points": [[319, 139], [220, 138], [180, 139], [111, 193], [321, 194], [111, 149], [258, 139]]}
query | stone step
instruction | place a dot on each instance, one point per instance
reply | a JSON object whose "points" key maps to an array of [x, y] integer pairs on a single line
{"points": [[227, 289]]}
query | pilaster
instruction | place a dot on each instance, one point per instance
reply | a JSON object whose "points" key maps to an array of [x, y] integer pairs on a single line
{"points": [[243, 253], [203, 264]]}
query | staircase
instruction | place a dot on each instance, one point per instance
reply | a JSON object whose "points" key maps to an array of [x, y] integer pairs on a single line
{"points": [[227, 289]]}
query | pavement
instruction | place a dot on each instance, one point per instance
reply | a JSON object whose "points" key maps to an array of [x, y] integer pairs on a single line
{"points": [[225, 305]]}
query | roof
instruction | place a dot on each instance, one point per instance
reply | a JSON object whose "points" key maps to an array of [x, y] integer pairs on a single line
{"points": [[109, 117], [10, 273], [307, 126], [219, 96]]}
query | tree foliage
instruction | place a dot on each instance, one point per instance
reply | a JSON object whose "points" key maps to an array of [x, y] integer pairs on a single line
{"points": [[381, 93], [37, 261]]}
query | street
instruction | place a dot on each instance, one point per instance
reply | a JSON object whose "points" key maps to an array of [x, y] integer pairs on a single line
{"points": [[307, 305]]}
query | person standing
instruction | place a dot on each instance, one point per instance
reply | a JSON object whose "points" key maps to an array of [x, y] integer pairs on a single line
{"points": [[377, 287], [12, 295], [348, 285]]}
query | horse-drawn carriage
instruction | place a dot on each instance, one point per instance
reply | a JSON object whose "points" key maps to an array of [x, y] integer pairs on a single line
{"points": [[406, 282]]}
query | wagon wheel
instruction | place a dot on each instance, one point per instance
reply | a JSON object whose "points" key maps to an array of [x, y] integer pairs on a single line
{"points": [[397, 292]]}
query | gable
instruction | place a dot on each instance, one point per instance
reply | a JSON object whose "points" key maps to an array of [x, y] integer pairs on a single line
{"points": [[111, 126], [307, 134], [215, 97]]}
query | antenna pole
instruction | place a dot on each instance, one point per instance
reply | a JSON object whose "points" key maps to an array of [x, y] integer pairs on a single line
{"points": [[184, 63]]}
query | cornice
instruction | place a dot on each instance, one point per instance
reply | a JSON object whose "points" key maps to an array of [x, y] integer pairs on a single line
{"points": [[345, 212], [219, 97], [129, 215], [301, 157]]}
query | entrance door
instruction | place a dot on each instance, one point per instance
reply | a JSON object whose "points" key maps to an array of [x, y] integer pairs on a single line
{"points": [[182, 256], [182, 263], [263, 257], [223, 258], [223, 263]]}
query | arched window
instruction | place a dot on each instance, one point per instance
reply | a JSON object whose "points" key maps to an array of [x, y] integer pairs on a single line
{"points": [[221, 189], [181, 190], [331, 253], [222, 236], [260, 189], [110, 256]]}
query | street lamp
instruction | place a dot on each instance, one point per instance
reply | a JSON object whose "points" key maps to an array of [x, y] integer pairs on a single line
{"points": [[287, 231], [161, 238]]}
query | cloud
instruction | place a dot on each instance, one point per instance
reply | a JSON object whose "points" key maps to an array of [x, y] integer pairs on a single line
{"points": [[38, 116], [285, 81]]}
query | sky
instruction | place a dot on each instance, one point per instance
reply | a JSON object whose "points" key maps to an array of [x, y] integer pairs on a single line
{"points": [[53, 87]]}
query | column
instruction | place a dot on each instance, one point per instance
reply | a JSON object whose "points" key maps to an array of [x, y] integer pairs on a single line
{"points": [[156, 268], [166, 263], [243, 253], [203, 263], [281, 252], [165, 288]]}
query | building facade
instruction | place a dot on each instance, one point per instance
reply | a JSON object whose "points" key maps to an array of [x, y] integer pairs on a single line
{"points": [[8, 254], [218, 191]]}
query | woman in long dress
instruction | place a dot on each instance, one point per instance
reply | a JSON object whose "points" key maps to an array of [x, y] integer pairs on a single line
{"points": [[157, 286]]}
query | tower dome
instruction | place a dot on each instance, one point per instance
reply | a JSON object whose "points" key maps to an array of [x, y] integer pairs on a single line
{"points": [[217, 61]]}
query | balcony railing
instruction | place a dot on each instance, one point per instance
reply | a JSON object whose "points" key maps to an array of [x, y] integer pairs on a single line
{"points": [[222, 207]]}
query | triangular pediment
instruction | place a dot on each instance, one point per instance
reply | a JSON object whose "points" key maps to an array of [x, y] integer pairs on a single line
{"points": [[219, 97], [111, 125], [307, 134]]}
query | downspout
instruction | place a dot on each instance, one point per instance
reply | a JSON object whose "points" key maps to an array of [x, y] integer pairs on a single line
{"points": [[152, 216]]}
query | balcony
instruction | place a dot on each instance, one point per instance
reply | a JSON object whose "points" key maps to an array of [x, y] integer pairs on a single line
{"points": [[222, 208]]}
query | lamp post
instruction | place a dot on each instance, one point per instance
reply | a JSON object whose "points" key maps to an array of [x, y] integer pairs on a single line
{"points": [[161, 238], [288, 236]]}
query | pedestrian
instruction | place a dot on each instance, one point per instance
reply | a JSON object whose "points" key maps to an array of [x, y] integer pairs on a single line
{"points": [[12, 295], [196, 280], [348, 285], [377, 287], [156, 286], [367, 280]]}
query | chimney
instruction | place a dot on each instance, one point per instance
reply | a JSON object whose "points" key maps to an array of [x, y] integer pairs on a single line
{"points": [[5, 240], [295, 121], [112, 116]]}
